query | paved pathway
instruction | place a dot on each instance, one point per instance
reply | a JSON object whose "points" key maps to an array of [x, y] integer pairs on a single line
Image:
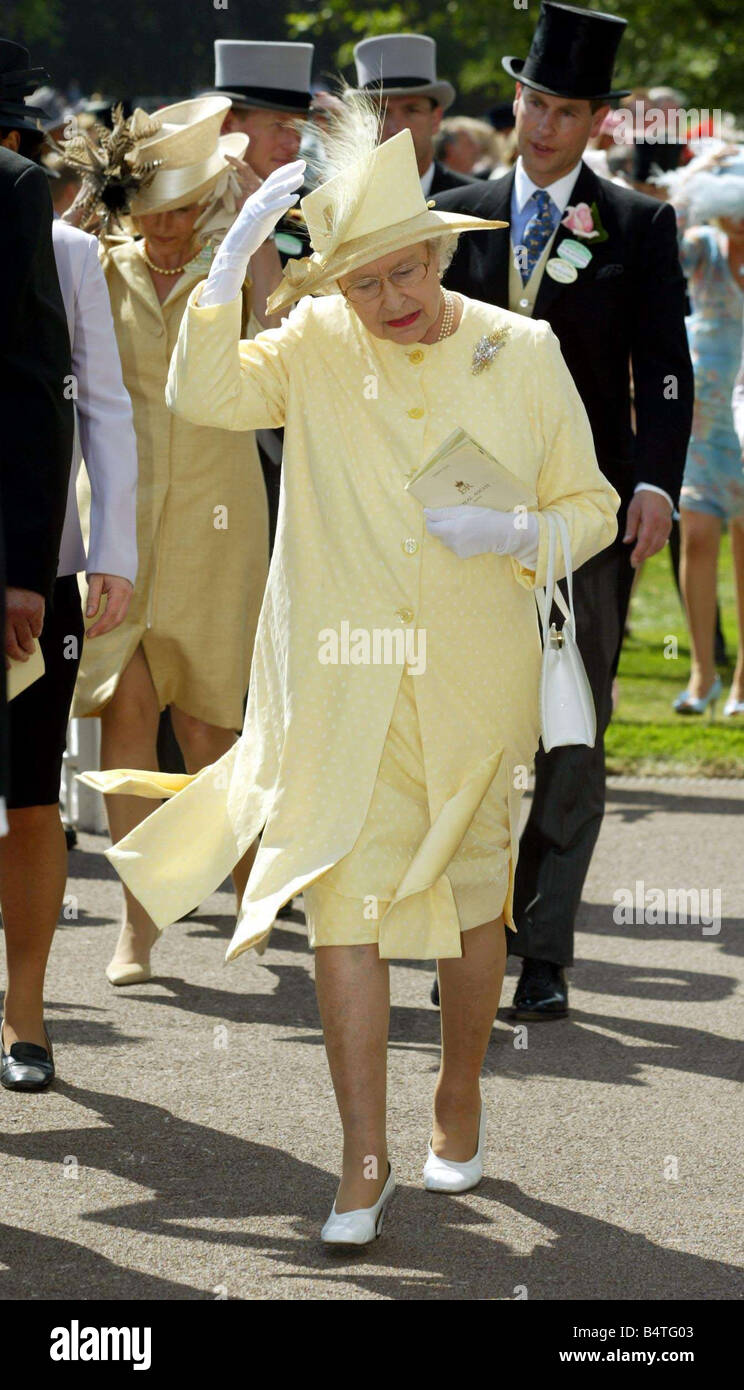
{"points": [[189, 1147]]}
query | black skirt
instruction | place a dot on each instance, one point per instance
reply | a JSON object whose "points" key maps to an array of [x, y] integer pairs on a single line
{"points": [[37, 718]]}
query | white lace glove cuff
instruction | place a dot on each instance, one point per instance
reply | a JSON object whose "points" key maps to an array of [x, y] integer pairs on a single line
{"points": [[472, 531]]}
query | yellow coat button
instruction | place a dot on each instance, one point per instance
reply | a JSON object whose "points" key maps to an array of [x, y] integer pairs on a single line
{"points": [[410, 545], [405, 614], [416, 413], [416, 356]]}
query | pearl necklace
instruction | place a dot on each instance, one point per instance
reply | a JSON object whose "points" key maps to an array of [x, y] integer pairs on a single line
{"points": [[448, 316], [161, 270]]}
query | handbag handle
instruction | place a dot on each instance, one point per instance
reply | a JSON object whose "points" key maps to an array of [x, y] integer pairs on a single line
{"points": [[551, 593]]}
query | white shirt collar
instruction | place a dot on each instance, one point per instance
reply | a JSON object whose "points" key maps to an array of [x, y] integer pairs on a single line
{"points": [[427, 179], [560, 191]]}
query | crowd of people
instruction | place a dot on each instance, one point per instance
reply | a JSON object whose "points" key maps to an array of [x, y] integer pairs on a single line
{"points": [[236, 327]]}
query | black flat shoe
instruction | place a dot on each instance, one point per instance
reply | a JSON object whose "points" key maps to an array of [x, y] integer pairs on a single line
{"points": [[542, 992], [27, 1067], [434, 996]]}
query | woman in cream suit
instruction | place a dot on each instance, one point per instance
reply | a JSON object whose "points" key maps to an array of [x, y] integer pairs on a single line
{"points": [[201, 509], [386, 785]]}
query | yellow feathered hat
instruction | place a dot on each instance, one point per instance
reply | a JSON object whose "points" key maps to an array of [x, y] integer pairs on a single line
{"points": [[372, 206]]}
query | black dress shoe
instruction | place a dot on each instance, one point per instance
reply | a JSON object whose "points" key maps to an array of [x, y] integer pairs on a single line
{"points": [[542, 992], [27, 1067], [435, 992]]}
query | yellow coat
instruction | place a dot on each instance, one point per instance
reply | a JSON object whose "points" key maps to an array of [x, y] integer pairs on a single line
{"points": [[360, 414], [202, 525]]}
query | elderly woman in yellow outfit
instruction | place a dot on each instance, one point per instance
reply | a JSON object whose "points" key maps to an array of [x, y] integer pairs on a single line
{"points": [[390, 799], [202, 523]]}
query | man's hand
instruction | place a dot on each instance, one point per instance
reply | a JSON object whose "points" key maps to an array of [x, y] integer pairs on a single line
{"points": [[649, 524], [24, 619], [247, 178], [119, 592]]}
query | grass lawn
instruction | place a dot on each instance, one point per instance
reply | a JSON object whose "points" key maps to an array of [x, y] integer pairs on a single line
{"points": [[645, 737]]}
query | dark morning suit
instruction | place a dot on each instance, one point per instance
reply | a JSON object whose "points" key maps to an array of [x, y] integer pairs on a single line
{"points": [[37, 419], [626, 308], [445, 179]]}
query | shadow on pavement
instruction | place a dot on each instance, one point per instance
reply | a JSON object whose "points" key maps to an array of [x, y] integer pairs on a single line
{"points": [[432, 1246]]}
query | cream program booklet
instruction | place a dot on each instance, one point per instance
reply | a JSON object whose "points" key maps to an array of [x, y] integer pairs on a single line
{"points": [[22, 674], [461, 473]]}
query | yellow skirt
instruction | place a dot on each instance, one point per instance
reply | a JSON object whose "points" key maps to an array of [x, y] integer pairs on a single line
{"points": [[343, 906]]}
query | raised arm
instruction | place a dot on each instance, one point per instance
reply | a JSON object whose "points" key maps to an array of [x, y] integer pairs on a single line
{"points": [[216, 379]]}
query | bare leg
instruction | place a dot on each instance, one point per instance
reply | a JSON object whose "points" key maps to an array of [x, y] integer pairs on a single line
{"points": [[33, 873], [469, 991], [353, 991], [202, 744], [129, 730], [737, 550], [698, 574]]}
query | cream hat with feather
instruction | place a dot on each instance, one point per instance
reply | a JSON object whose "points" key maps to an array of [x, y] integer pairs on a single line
{"points": [[372, 206]]}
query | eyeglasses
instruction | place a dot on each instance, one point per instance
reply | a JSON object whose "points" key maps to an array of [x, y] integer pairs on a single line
{"points": [[404, 277]]}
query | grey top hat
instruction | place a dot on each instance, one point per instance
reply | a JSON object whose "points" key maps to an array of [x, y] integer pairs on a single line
{"points": [[399, 65], [275, 76]]}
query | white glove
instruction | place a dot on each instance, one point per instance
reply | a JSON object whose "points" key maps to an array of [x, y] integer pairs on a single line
{"points": [[479, 530], [255, 221]]}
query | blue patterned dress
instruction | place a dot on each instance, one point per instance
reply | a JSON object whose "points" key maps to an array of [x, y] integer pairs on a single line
{"points": [[713, 480]]}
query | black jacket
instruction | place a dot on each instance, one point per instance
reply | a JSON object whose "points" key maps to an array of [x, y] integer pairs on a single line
{"points": [[36, 391], [625, 309], [445, 179]]}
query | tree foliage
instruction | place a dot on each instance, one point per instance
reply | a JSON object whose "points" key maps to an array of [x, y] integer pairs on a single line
{"points": [[692, 44], [127, 47]]}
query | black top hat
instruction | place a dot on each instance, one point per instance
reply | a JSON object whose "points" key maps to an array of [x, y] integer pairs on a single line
{"points": [[572, 53], [17, 79]]}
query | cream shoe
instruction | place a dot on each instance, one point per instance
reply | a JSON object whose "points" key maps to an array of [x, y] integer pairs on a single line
{"points": [[361, 1226], [444, 1175], [130, 972]]}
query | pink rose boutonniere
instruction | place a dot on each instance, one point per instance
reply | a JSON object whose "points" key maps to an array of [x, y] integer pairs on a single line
{"points": [[584, 221]]}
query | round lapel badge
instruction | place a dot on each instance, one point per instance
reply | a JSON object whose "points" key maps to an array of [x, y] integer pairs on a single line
{"points": [[575, 253], [288, 244], [561, 271]]}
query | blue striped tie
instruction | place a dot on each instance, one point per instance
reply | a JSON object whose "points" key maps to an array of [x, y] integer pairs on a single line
{"points": [[538, 232]]}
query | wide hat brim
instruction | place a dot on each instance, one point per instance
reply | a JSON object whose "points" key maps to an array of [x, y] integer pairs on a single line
{"points": [[21, 116], [514, 67], [443, 93], [314, 274], [150, 200], [244, 97]]}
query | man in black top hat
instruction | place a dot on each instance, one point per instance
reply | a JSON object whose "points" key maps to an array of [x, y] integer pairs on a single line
{"points": [[600, 263]]}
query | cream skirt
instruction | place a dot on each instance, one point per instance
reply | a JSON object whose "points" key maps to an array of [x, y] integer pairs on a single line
{"points": [[344, 905]]}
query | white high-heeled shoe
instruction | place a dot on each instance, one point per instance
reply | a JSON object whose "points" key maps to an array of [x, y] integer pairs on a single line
{"points": [[444, 1175], [361, 1226]]}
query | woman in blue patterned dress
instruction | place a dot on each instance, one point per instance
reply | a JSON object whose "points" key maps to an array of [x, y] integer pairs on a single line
{"points": [[710, 212]]}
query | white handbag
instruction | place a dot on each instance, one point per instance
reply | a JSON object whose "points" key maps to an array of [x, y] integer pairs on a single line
{"points": [[567, 713]]}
